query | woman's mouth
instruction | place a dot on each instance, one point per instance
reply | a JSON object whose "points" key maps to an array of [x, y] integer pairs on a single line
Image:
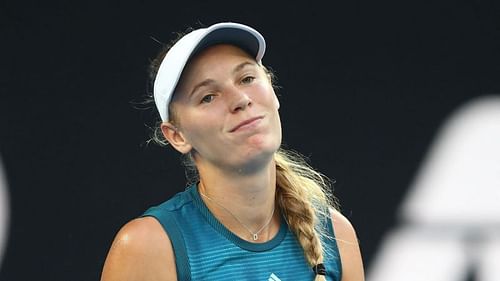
{"points": [[246, 124]]}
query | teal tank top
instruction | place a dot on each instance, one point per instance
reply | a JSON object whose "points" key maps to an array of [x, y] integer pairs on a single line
{"points": [[206, 250]]}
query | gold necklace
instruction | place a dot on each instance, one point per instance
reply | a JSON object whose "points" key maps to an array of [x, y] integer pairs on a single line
{"points": [[255, 235]]}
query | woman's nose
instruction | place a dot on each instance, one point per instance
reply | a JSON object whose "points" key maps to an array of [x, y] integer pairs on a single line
{"points": [[239, 100]]}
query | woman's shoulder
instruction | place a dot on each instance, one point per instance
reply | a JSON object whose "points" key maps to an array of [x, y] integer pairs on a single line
{"points": [[140, 251], [348, 245], [140, 234], [342, 224]]}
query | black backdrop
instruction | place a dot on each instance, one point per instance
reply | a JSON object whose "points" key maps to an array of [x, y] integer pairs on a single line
{"points": [[365, 85]]}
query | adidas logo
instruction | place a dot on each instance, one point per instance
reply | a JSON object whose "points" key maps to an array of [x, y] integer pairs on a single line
{"points": [[273, 277]]}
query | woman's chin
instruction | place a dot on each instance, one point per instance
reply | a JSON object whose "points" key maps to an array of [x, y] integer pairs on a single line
{"points": [[254, 160]]}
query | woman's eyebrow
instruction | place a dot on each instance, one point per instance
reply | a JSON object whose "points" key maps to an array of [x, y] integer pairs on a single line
{"points": [[242, 65], [203, 83], [208, 82]]}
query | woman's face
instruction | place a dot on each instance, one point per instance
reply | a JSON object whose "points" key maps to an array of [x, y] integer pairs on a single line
{"points": [[226, 109]]}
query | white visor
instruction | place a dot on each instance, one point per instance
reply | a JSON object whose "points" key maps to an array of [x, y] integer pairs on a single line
{"points": [[175, 60]]}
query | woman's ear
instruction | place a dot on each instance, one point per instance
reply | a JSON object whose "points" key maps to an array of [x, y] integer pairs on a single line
{"points": [[175, 137]]}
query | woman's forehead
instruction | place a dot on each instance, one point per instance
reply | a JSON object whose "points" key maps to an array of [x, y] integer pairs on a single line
{"points": [[207, 62], [218, 54]]}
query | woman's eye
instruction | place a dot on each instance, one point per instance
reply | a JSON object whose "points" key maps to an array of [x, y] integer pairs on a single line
{"points": [[207, 99], [247, 79]]}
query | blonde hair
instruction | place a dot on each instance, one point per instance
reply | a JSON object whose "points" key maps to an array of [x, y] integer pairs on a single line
{"points": [[304, 196]]}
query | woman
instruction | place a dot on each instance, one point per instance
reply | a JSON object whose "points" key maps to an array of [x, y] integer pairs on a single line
{"points": [[255, 211]]}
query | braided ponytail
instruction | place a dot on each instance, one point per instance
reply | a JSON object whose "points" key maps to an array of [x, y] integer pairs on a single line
{"points": [[304, 198]]}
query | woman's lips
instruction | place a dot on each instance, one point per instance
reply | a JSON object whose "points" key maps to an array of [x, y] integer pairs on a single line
{"points": [[247, 123]]}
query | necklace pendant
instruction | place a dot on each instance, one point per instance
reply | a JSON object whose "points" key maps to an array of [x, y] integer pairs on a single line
{"points": [[255, 237]]}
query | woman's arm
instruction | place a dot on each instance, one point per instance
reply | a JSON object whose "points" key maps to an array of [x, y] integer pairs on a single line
{"points": [[350, 254], [141, 251]]}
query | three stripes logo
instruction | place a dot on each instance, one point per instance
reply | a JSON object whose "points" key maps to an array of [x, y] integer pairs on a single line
{"points": [[273, 277]]}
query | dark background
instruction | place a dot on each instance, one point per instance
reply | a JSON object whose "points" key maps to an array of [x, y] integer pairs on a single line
{"points": [[365, 86]]}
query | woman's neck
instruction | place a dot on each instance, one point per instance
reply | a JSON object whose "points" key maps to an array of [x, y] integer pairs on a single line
{"points": [[242, 201]]}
